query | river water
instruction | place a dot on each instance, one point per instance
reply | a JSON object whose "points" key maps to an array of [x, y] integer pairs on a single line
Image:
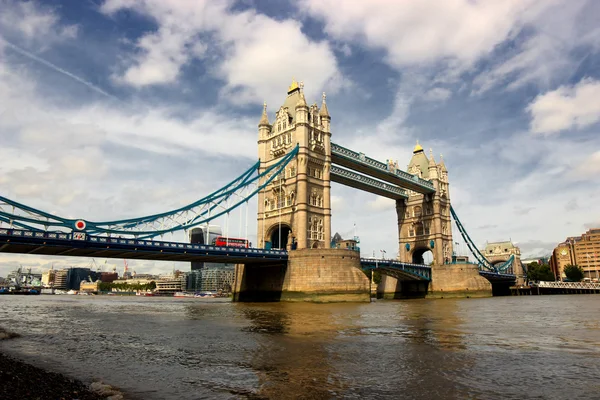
{"points": [[538, 347]]}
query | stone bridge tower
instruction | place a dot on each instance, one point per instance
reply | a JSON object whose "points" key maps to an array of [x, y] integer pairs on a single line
{"points": [[424, 221], [294, 210]]}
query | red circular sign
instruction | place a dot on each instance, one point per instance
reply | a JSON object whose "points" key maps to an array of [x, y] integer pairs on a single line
{"points": [[80, 225]]}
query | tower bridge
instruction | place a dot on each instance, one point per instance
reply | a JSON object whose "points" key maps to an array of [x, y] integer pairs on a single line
{"points": [[294, 259]]}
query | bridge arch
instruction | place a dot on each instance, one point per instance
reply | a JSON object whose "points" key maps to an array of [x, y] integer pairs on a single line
{"points": [[274, 236], [422, 255]]}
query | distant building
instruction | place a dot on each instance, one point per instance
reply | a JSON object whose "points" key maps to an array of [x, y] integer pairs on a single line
{"points": [[60, 279], [194, 280], [89, 287], [77, 275], [170, 285], [583, 251], [337, 242], [108, 276], [499, 252], [48, 278], [203, 235], [460, 259], [218, 277]]}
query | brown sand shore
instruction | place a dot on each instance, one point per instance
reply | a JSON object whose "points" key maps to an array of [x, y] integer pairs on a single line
{"points": [[20, 380]]}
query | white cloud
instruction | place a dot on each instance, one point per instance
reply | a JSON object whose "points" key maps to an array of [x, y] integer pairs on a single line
{"points": [[437, 94], [413, 32], [551, 49], [254, 54], [590, 167], [380, 203], [34, 22], [568, 107]]}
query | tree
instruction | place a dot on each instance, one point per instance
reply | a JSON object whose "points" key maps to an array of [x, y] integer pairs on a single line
{"points": [[537, 272], [574, 273], [376, 277]]}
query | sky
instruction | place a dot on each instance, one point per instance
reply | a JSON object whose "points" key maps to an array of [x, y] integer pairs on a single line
{"points": [[121, 108]]}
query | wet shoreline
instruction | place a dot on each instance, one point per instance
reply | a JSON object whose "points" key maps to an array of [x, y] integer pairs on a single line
{"points": [[22, 380]]}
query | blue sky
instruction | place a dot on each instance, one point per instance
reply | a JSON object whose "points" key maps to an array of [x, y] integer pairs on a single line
{"points": [[120, 108]]}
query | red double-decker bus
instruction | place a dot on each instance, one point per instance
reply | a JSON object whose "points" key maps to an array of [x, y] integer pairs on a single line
{"points": [[231, 242]]}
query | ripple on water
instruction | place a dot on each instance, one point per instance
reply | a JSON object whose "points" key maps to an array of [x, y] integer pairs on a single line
{"points": [[536, 347]]}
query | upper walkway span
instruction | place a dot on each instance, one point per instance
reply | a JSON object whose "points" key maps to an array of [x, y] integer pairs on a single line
{"points": [[364, 183], [369, 166]]}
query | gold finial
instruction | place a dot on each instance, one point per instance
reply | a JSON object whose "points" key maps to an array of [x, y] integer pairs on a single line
{"points": [[265, 106], [324, 96], [293, 86], [417, 147]]}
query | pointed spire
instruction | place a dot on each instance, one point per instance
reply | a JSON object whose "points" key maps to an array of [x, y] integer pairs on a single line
{"points": [[302, 101], [442, 165], [264, 120], [324, 111], [418, 147], [293, 87], [431, 159]]}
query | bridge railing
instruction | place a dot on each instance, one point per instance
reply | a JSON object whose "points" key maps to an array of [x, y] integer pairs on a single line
{"points": [[392, 262], [569, 285], [420, 270], [159, 245], [360, 157]]}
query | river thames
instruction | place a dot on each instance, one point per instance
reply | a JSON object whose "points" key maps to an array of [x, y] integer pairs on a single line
{"points": [[538, 347]]}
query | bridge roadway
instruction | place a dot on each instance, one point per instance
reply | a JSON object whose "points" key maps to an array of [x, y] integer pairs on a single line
{"points": [[359, 162], [79, 244], [397, 269]]}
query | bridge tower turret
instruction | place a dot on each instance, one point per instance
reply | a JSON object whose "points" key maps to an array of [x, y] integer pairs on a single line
{"points": [[294, 210], [424, 221]]}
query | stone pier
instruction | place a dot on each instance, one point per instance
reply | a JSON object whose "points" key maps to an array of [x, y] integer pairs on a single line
{"points": [[315, 275], [448, 281], [458, 280]]}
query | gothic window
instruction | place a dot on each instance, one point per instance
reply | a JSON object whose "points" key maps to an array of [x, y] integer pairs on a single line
{"points": [[411, 231], [284, 124], [320, 230], [407, 214], [419, 229], [427, 229], [417, 211], [292, 171]]}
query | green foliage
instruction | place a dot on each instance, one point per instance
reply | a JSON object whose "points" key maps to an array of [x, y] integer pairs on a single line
{"points": [[377, 277], [373, 274], [574, 273], [537, 272]]}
